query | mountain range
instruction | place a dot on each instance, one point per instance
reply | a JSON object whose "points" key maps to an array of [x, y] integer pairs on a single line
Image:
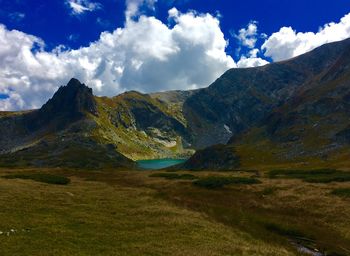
{"points": [[290, 112]]}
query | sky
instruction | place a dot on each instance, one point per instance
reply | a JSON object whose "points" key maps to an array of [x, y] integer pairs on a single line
{"points": [[151, 45]]}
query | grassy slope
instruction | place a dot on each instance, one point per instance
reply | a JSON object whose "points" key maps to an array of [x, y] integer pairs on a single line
{"points": [[174, 101], [71, 150], [116, 124], [314, 116], [13, 113], [306, 127], [130, 141], [121, 214], [257, 151]]}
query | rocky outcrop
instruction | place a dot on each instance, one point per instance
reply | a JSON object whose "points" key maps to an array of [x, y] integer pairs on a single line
{"points": [[218, 157], [243, 98], [292, 111], [60, 134], [75, 99], [70, 103]]}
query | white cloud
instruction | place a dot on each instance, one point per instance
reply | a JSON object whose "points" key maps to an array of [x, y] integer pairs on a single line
{"points": [[251, 60], [287, 43], [16, 16], [81, 6], [248, 36], [133, 7], [247, 39], [248, 62], [145, 55]]}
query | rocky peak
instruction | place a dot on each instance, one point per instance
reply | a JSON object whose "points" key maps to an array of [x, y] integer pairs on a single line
{"points": [[75, 99]]}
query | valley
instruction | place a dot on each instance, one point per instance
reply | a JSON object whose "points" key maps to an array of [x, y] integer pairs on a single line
{"points": [[295, 112], [258, 163]]}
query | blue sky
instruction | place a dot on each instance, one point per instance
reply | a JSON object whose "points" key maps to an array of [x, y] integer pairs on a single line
{"points": [[151, 45], [54, 23]]}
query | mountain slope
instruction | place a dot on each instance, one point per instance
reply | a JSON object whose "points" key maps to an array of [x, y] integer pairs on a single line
{"points": [[289, 112], [315, 121], [294, 111], [77, 129], [241, 98], [141, 126], [58, 134]]}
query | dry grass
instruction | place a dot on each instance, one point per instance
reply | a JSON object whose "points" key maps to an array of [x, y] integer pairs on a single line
{"points": [[128, 213], [274, 211], [111, 213]]}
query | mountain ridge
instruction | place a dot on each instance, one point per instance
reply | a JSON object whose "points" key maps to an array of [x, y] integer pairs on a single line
{"points": [[307, 127], [271, 109]]}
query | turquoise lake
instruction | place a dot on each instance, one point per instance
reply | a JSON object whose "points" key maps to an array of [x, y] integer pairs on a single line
{"points": [[156, 164]]}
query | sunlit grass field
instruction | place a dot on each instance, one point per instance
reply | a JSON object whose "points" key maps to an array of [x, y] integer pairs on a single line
{"points": [[121, 212]]}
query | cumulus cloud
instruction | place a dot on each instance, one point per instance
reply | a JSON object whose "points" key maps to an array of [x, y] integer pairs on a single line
{"points": [[133, 7], [288, 43], [251, 60], [248, 62], [248, 36], [81, 6], [145, 55]]}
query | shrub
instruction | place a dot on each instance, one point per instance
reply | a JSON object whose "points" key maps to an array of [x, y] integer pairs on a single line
{"points": [[213, 182], [312, 176], [300, 173], [269, 191], [343, 192]]}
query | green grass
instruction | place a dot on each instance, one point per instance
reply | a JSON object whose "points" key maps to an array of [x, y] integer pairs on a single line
{"points": [[40, 177], [71, 220], [292, 233], [298, 212], [284, 230], [269, 191], [312, 176], [114, 215], [173, 176], [342, 192], [213, 182]]}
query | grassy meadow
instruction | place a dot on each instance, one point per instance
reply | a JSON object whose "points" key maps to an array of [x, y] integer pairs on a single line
{"points": [[122, 212]]}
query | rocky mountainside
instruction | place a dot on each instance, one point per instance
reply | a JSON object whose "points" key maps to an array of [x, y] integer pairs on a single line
{"points": [[241, 98], [58, 134], [142, 126], [69, 105], [290, 111], [77, 129], [295, 111]]}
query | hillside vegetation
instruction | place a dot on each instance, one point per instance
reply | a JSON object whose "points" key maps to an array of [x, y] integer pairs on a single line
{"points": [[292, 112]]}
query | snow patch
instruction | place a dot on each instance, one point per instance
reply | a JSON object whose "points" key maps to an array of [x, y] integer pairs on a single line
{"points": [[227, 128]]}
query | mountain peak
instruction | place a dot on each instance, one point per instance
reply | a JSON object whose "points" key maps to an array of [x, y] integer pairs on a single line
{"points": [[73, 82], [75, 99]]}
